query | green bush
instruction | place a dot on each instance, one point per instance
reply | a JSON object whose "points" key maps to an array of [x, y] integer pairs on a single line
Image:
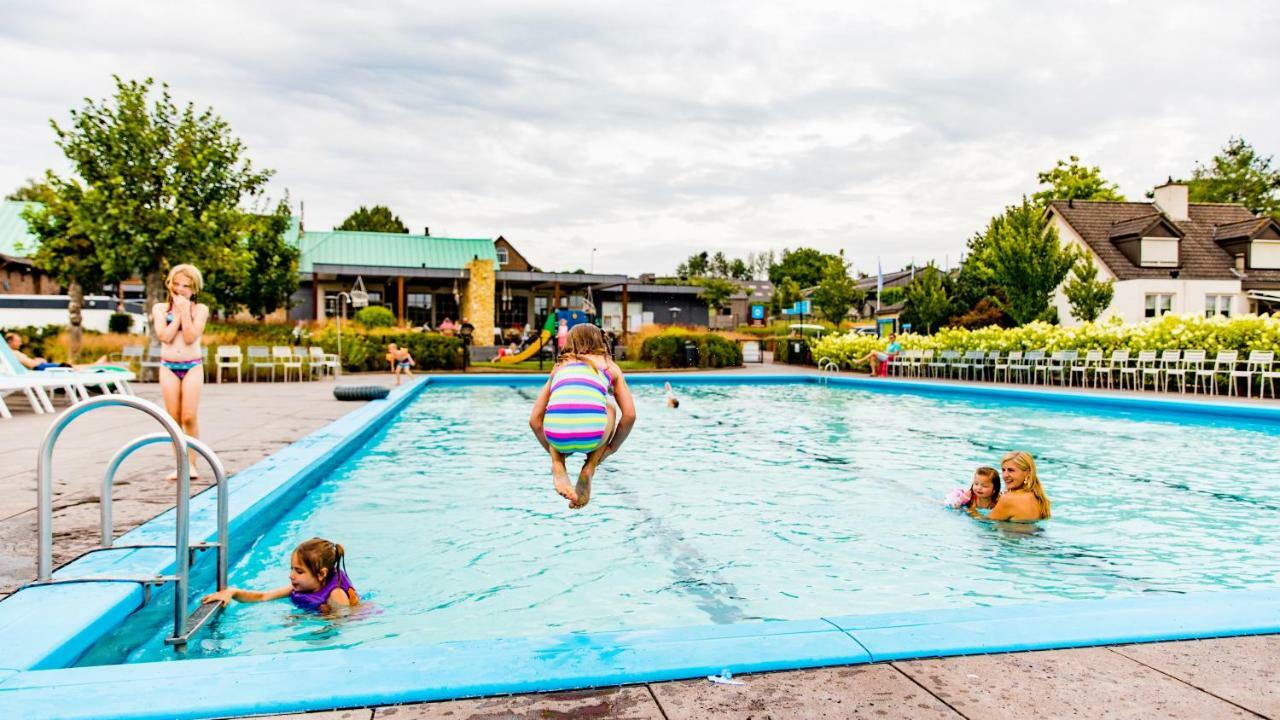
{"points": [[252, 333], [121, 323], [365, 350], [1170, 332], [714, 351], [892, 295], [376, 316]]}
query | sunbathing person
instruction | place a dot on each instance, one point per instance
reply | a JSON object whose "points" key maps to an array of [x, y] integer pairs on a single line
{"points": [[38, 363]]}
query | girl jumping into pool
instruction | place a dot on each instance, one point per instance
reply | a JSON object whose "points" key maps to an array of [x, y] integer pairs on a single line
{"points": [[573, 413], [318, 581], [178, 327]]}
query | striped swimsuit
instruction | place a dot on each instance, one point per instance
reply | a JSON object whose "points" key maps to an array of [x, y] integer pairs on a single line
{"points": [[577, 417]]}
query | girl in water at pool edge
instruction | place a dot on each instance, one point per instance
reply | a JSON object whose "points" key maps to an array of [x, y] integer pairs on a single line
{"points": [[574, 412], [318, 581]]}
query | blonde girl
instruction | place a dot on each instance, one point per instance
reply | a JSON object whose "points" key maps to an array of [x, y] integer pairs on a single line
{"points": [[178, 324], [573, 413], [1023, 499]]}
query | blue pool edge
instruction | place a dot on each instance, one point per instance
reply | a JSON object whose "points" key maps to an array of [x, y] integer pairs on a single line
{"points": [[31, 675]]}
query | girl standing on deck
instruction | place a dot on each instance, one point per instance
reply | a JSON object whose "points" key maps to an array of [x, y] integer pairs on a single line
{"points": [[178, 326], [574, 412]]}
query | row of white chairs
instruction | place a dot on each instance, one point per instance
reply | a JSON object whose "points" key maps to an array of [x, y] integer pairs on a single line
{"points": [[310, 361], [1149, 368]]}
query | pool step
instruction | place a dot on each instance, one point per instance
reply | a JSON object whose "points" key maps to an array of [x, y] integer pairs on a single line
{"points": [[195, 621]]}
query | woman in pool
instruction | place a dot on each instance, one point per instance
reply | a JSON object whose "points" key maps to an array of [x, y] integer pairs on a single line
{"points": [[1023, 499], [573, 413], [178, 327], [318, 581]]}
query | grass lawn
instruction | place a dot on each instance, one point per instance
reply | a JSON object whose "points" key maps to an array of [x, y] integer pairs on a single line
{"points": [[532, 366]]}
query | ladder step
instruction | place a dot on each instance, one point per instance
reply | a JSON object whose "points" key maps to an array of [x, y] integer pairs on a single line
{"points": [[195, 621]]}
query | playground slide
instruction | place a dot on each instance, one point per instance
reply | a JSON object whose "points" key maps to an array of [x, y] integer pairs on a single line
{"points": [[528, 352]]}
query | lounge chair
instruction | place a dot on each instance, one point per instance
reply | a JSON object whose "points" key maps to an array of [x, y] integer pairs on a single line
{"points": [[1192, 361], [74, 382], [1259, 362], [1115, 368], [1223, 364], [1091, 363]]}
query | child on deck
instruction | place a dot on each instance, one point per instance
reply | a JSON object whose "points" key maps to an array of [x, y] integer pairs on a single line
{"points": [[318, 581], [573, 412], [400, 361]]}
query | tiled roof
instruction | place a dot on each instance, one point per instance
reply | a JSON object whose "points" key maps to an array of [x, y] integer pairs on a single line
{"points": [[341, 247], [1141, 226], [13, 229], [1201, 258], [1242, 229]]}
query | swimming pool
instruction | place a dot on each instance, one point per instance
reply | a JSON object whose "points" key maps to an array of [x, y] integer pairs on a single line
{"points": [[814, 508]]}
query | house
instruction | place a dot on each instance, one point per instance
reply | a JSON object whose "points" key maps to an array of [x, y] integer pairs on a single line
{"points": [[1171, 255], [752, 293]]}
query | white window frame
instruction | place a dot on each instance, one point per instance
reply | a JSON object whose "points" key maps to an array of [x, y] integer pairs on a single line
{"points": [[1158, 242], [503, 256], [1148, 310], [1217, 304]]}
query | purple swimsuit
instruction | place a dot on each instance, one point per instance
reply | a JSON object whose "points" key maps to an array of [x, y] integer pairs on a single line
{"points": [[314, 600]]}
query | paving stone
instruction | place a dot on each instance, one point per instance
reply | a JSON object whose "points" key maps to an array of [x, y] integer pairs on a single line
{"points": [[1244, 670], [357, 714], [860, 691], [1092, 683], [626, 703]]}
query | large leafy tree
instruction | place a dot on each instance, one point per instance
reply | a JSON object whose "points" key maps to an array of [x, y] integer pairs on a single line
{"points": [[264, 270], [154, 185], [785, 294], [65, 250], [32, 191], [804, 265], [695, 267], [836, 293], [1089, 296], [717, 291], [927, 303], [1023, 259], [1238, 174], [1069, 180], [378, 218]]}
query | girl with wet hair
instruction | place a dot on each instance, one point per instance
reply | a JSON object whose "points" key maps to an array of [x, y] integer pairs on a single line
{"points": [[318, 581]]}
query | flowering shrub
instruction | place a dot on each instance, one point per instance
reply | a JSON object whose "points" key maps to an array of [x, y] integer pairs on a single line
{"points": [[1170, 332]]}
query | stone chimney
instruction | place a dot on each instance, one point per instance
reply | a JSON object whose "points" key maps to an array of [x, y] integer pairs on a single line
{"points": [[1171, 198]]}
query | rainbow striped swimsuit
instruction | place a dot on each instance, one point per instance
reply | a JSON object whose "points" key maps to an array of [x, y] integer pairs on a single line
{"points": [[576, 417]]}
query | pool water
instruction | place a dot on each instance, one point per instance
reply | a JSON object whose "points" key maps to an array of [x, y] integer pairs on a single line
{"points": [[749, 502]]}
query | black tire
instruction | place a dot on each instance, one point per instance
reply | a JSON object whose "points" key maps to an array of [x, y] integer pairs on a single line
{"points": [[360, 392]]}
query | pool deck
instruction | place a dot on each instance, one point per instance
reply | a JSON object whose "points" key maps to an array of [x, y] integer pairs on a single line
{"points": [[1236, 677]]}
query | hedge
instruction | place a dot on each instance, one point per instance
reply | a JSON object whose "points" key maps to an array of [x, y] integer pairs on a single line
{"points": [[1170, 332], [667, 349], [365, 349]]}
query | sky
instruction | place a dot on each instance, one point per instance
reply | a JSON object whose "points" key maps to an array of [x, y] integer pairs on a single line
{"points": [[622, 137]]}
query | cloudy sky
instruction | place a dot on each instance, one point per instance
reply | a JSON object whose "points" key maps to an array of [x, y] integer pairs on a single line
{"points": [[653, 130]]}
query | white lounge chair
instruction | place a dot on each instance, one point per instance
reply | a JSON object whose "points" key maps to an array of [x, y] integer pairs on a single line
{"points": [[73, 382], [1259, 362], [228, 358], [1091, 363], [1223, 364], [1192, 361]]}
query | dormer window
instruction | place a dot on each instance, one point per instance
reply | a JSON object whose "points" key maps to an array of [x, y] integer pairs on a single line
{"points": [[1265, 254], [503, 257], [1256, 239], [1159, 252]]}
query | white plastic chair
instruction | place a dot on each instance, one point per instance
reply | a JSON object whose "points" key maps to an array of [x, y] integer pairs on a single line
{"points": [[260, 357], [1090, 364], [321, 362], [229, 358], [1159, 371], [283, 356], [1259, 362], [1192, 361], [1223, 364]]}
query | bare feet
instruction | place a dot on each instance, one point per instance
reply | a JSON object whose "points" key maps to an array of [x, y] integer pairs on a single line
{"points": [[584, 487], [173, 476], [560, 474]]}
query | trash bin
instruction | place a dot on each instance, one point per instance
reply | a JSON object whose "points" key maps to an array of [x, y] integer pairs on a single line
{"points": [[799, 353], [690, 353]]}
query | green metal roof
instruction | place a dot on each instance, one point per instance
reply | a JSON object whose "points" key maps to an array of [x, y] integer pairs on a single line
{"points": [[341, 247], [13, 229]]}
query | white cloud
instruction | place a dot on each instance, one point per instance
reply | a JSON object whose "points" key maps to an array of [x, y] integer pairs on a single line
{"points": [[650, 132]]}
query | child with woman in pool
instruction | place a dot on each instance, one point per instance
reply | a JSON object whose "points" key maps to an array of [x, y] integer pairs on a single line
{"points": [[980, 496], [575, 413], [318, 581]]}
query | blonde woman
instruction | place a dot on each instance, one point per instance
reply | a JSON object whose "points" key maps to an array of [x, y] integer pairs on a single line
{"points": [[1023, 499], [178, 326]]}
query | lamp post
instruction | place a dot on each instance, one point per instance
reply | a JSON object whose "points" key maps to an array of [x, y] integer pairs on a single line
{"points": [[343, 298]]}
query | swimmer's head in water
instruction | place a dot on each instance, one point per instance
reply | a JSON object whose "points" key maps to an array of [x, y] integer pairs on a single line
{"points": [[314, 561], [673, 402]]}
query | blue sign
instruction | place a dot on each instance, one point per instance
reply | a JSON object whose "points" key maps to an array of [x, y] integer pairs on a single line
{"points": [[800, 308], [757, 312]]}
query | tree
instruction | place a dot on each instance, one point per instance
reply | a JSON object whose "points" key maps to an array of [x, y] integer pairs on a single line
{"points": [[836, 293], [927, 304], [785, 294], [804, 265], [1238, 174], [759, 264], [695, 267], [265, 270], [1069, 180], [65, 251], [717, 291], [32, 191], [153, 185], [1022, 257], [1089, 297], [378, 218], [739, 270]]}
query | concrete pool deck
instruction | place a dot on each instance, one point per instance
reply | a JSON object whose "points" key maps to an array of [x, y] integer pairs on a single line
{"points": [[1129, 681]]}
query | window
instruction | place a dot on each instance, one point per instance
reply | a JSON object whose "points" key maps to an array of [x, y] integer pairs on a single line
{"points": [[1159, 252], [446, 307], [1217, 305], [1158, 304], [1265, 255], [418, 308], [513, 314], [502, 255]]}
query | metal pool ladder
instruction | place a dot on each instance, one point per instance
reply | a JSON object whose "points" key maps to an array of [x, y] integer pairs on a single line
{"points": [[184, 626]]}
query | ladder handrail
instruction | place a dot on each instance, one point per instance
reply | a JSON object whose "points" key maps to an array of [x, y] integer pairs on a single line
{"points": [[219, 474], [44, 472]]}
